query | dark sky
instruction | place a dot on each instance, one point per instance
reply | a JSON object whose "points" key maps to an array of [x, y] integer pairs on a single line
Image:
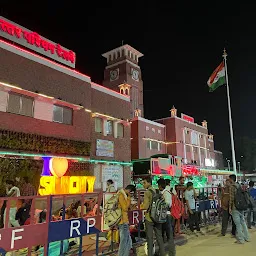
{"points": [[182, 42]]}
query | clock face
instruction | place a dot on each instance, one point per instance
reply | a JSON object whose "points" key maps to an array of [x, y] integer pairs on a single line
{"points": [[114, 74], [135, 74]]}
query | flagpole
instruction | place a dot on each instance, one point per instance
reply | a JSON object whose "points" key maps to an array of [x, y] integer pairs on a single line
{"points": [[230, 115]]}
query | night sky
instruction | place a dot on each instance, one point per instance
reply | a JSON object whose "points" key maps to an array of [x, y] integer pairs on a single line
{"points": [[182, 44]]}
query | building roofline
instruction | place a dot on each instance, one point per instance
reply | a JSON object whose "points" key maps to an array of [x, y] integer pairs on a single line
{"points": [[110, 92], [58, 67], [170, 117], [44, 61], [138, 118], [126, 46]]}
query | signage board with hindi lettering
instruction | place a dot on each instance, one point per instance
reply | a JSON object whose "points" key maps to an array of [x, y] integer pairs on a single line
{"points": [[36, 42], [188, 118]]}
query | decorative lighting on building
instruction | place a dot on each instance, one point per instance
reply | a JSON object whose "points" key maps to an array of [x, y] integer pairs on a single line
{"points": [[173, 112]]}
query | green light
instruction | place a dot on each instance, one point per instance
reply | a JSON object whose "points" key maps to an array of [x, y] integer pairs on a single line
{"points": [[78, 158], [110, 162], [198, 181]]}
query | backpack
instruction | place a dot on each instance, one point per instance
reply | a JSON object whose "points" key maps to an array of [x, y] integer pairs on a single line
{"points": [[177, 209], [158, 208], [112, 214], [241, 199]]}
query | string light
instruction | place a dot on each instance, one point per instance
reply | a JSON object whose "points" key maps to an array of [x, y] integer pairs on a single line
{"points": [[79, 158], [160, 141], [61, 102]]}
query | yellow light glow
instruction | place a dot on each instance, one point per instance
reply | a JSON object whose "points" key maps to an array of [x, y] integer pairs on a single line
{"points": [[163, 142], [47, 184], [50, 185]]}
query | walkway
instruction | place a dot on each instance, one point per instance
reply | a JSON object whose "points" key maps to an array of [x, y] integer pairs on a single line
{"points": [[211, 245]]}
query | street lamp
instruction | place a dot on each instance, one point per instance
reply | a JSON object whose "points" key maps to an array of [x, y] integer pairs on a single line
{"points": [[228, 161], [239, 170]]}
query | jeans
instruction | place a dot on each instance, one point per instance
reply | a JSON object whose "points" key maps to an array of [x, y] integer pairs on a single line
{"points": [[241, 227], [225, 218], [249, 217], [157, 228], [125, 244], [169, 234], [193, 221], [12, 215]]}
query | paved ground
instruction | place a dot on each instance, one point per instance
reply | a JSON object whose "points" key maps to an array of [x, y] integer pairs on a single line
{"points": [[211, 245]]}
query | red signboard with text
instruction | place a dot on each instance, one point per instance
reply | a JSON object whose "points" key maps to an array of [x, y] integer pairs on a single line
{"points": [[36, 42], [188, 118]]}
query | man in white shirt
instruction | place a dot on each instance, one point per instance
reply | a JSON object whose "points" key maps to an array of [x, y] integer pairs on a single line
{"points": [[168, 187], [12, 191], [168, 225], [190, 196]]}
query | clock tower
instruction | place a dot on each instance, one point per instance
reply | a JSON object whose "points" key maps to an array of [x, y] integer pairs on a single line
{"points": [[123, 74]]}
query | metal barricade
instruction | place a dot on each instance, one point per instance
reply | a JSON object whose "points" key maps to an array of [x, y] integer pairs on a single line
{"points": [[38, 223], [208, 207]]}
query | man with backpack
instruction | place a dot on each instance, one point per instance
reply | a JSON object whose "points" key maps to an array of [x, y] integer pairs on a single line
{"points": [[238, 204], [149, 204], [168, 226]]}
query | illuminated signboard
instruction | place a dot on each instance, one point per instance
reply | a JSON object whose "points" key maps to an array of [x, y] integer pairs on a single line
{"points": [[35, 42], [53, 181], [188, 118]]}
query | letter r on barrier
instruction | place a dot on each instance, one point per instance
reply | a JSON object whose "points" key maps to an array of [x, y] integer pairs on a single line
{"points": [[90, 223], [14, 238], [76, 228], [212, 204], [135, 216]]}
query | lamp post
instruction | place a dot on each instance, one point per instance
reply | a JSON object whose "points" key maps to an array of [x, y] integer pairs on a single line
{"points": [[228, 161], [239, 170]]}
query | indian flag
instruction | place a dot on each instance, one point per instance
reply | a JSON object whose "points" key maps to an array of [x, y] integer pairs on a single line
{"points": [[217, 78]]}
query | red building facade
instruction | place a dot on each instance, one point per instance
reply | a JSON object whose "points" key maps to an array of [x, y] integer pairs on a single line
{"points": [[176, 136], [187, 139], [40, 97]]}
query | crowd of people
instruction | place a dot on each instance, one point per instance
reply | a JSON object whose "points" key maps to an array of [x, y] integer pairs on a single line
{"points": [[163, 207], [238, 204]]}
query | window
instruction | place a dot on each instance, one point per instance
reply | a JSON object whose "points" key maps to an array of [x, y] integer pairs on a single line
{"points": [[153, 130], [148, 144], [147, 128], [120, 130], [62, 115], [194, 138], [154, 144], [98, 124], [159, 131], [109, 127], [188, 148], [20, 104], [159, 146]]}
